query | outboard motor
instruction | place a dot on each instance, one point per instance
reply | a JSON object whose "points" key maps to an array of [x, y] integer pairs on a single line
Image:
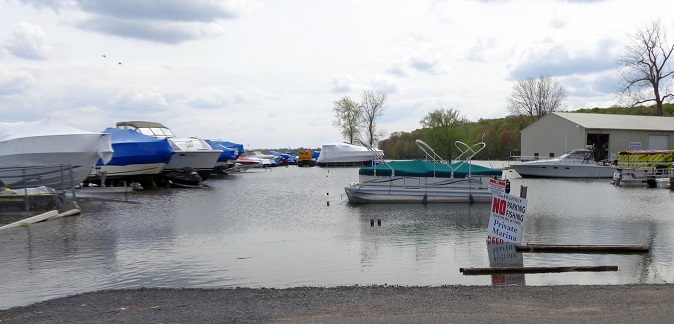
{"points": [[507, 188]]}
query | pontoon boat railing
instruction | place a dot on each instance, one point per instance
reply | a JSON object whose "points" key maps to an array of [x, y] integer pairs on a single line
{"points": [[468, 150], [429, 156], [465, 149], [377, 158]]}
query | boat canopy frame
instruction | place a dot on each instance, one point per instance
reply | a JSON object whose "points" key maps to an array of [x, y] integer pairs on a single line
{"points": [[467, 153]]}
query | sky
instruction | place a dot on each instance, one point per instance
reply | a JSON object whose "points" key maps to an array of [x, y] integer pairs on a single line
{"points": [[266, 73]]}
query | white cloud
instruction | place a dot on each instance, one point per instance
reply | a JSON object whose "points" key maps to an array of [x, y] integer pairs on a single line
{"points": [[342, 83], [14, 81], [29, 42]]}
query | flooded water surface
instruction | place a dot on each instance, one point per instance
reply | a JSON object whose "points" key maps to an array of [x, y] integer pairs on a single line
{"points": [[289, 227]]}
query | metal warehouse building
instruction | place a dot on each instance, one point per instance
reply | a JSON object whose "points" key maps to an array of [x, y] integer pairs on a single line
{"points": [[559, 132]]}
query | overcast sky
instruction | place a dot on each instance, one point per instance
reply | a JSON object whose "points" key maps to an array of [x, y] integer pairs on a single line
{"points": [[266, 73]]}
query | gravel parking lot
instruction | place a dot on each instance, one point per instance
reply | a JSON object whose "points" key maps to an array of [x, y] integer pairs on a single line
{"points": [[371, 304]]}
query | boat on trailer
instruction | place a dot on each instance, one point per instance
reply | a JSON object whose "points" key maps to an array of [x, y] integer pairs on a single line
{"points": [[432, 180], [190, 153], [137, 158]]}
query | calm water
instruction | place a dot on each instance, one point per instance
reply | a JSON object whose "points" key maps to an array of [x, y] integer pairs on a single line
{"points": [[289, 227]]}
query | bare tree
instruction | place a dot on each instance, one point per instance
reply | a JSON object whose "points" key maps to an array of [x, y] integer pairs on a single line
{"points": [[348, 118], [536, 97], [646, 71], [373, 107]]}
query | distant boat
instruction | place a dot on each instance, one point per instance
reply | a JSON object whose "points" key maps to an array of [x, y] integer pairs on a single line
{"points": [[190, 152], [137, 158], [226, 158], [344, 154], [578, 163], [49, 153], [425, 181]]}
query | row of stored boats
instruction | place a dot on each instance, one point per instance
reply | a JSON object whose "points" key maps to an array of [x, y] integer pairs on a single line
{"points": [[50, 153]]}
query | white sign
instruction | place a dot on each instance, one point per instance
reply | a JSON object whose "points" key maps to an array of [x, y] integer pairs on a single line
{"points": [[497, 186], [507, 219], [634, 145]]}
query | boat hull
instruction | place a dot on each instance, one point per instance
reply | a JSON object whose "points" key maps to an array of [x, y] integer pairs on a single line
{"points": [[123, 171], [49, 160], [541, 170], [419, 190], [644, 177], [201, 161]]}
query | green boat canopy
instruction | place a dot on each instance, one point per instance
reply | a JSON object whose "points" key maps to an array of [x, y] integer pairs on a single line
{"points": [[421, 168]]}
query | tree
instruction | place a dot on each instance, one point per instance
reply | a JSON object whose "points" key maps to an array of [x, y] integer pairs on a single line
{"points": [[372, 108], [348, 118], [646, 70], [442, 124], [537, 97]]}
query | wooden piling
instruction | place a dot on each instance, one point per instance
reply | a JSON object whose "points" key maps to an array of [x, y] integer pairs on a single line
{"points": [[575, 248], [505, 270]]}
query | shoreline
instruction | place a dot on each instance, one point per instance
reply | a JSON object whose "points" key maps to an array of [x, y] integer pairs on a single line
{"points": [[359, 304]]}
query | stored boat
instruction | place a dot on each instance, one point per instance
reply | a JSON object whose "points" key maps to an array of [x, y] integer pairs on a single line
{"points": [[226, 158], [652, 169], [578, 163], [137, 158], [190, 152], [59, 150], [425, 181], [344, 154]]}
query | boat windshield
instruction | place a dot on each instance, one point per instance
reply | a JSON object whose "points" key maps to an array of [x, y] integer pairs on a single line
{"points": [[156, 132], [583, 155]]}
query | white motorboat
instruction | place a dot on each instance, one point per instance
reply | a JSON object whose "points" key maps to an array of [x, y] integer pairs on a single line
{"points": [[49, 153], [578, 163], [190, 152], [425, 181], [344, 154]]}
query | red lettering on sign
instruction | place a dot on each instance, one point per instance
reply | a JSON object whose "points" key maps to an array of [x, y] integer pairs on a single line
{"points": [[498, 206]]}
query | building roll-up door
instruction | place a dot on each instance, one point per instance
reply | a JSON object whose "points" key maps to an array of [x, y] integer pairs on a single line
{"points": [[658, 142]]}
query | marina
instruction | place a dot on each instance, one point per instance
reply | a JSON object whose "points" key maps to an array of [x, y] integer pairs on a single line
{"points": [[292, 227]]}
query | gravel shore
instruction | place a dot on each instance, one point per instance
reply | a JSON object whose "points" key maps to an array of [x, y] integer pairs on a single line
{"points": [[358, 304]]}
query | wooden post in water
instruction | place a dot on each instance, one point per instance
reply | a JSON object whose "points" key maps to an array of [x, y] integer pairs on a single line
{"points": [[578, 248], [502, 270]]}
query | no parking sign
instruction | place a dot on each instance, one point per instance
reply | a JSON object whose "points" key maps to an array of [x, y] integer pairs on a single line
{"points": [[507, 218]]}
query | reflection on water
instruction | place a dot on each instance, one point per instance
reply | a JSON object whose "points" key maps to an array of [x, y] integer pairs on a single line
{"points": [[289, 227]]}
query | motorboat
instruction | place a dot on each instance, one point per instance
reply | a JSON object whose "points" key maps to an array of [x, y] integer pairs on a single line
{"points": [[243, 163], [651, 168], [579, 163], [137, 158], [49, 153], [344, 154], [431, 180], [226, 158], [190, 152]]}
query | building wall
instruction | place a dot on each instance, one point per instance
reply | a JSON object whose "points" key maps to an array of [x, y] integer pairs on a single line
{"points": [[552, 134], [557, 135], [621, 140]]}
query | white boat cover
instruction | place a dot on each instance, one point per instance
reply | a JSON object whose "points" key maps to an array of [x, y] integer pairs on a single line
{"points": [[50, 127], [344, 153]]}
